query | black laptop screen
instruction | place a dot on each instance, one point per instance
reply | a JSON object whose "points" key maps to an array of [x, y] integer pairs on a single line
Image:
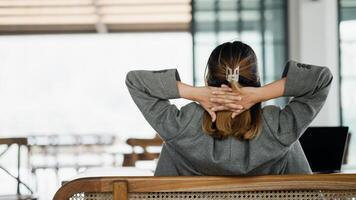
{"points": [[324, 147]]}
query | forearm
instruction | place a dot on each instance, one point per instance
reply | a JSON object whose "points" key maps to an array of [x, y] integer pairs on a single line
{"points": [[186, 91], [272, 90]]}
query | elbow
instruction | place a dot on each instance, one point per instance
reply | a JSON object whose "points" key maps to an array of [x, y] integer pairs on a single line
{"points": [[327, 75], [129, 77]]}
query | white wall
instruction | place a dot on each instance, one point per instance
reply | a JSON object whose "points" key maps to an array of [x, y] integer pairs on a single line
{"points": [[313, 39]]}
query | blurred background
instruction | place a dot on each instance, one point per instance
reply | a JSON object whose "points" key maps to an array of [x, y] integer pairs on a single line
{"points": [[64, 106]]}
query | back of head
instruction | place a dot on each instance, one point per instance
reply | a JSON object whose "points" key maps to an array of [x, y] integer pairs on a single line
{"points": [[246, 125]]}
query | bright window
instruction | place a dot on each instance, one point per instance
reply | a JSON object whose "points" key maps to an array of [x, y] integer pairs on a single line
{"points": [[75, 83], [347, 30], [260, 24]]}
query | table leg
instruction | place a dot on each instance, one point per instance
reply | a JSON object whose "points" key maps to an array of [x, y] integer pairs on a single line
{"points": [[18, 169]]}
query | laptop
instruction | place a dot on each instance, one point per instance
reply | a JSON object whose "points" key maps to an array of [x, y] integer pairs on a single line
{"points": [[324, 148]]}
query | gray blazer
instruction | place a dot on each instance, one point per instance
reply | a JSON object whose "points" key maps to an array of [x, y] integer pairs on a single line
{"points": [[187, 150]]}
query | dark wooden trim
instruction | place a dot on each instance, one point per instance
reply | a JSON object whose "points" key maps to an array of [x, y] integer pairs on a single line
{"points": [[145, 142], [120, 191], [210, 184], [10, 141], [90, 28], [130, 159]]}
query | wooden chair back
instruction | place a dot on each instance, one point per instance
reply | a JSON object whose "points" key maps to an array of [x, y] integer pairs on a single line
{"points": [[131, 158], [304, 187]]}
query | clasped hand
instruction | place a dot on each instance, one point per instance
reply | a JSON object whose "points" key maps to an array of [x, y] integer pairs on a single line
{"points": [[214, 99]]}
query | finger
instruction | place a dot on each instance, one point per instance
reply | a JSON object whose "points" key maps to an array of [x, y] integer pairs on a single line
{"points": [[220, 92], [212, 115], [221, 101], [236, 113], [217, 92], [214, 105], [224, 89], [230, 97], [218, 108], [234, 106], [233, 115]]}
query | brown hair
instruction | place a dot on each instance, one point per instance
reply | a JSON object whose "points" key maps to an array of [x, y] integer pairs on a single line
{"points": [[246, 125]]}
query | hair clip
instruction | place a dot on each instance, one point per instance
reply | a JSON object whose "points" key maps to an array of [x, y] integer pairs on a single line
{"points": [[230, 76]]}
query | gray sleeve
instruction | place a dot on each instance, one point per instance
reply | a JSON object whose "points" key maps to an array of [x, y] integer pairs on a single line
{"points": [[151, 91], [309, 86]]}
